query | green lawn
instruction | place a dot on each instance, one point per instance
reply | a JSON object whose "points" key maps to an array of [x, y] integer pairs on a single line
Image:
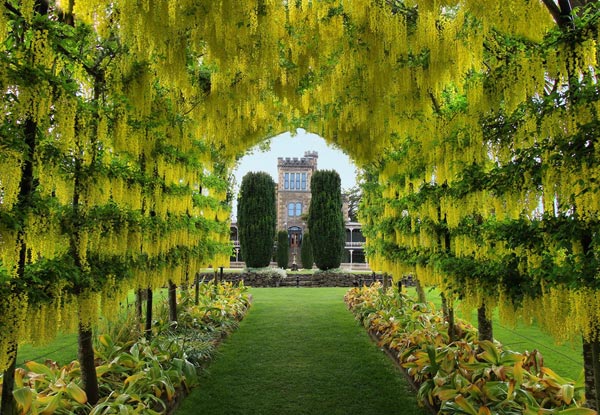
{"points": [[299, 351], [63, 349], [307, 319]]}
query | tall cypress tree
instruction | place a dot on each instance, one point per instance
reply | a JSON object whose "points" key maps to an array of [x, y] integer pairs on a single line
{"points": [[325, 219], [306, 253], [283, 249], [256, 216]]}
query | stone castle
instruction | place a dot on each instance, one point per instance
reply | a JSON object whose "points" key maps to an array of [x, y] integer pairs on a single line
{"points": [[293, 201]]}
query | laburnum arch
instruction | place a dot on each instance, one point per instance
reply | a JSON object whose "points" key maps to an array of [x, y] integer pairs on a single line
{"points": [[475, 122]]}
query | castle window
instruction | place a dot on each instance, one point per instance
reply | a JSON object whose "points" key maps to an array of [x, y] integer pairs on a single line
{"points": [[298, 181], [286, 182], [292, 182], [294, 209], [303, 181]]}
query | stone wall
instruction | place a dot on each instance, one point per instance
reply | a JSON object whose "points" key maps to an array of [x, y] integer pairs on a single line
{"points": [[318, 279]]}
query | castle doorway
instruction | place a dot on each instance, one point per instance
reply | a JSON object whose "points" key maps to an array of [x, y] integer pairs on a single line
{"points": [[295, 236]]}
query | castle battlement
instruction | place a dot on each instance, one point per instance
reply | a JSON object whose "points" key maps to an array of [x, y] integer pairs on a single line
{"points": [[309, 160]]}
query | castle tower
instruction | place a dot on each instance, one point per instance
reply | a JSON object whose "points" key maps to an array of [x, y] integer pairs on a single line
{"points": [[293, 194]]}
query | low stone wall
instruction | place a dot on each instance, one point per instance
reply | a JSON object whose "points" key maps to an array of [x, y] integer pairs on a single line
{"points": [[251, 279], [318, 279]]}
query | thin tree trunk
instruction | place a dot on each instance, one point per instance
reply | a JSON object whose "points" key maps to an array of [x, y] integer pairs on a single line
{"points": [[197, 288], [449, 317], [172, 301], [420, 291], [86, 348], [148, 329], [452, 330], [85, 355], [386, 281], [138, 304], [9, 405], [444, 305], [591, 365], [484, 324], [27, 188]]}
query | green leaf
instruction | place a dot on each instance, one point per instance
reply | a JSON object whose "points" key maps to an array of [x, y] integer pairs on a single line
{"points": [[76, 393], [24, 397], [40, 368], [465, 405], [490, 352], [577, 411]]}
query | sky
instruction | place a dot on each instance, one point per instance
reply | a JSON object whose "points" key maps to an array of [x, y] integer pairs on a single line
{"points": [[286, 145]]}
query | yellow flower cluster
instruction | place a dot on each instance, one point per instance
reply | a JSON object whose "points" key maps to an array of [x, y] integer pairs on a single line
{"points": [[374, 81]]}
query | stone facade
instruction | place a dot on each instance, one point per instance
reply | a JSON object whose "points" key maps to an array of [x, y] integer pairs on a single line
{"points": [[293, 195], [303, 167]]}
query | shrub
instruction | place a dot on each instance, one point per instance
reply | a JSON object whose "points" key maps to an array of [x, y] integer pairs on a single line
{"points": [[306, 253], [283, 249]]}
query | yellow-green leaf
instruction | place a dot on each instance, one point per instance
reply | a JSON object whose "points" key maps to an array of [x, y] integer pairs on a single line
{"points": [[105, 340], [24, 398], [553, 375], [577, 411], [76, 393], [518, 373], [465, 405], [39, 368], [446, 394]]}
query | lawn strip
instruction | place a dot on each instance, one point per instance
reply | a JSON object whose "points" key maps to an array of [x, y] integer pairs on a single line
{"points": [[299, 351]]}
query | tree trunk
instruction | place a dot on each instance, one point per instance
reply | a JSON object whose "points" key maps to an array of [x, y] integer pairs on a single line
{"points": [[420, 291], [9, 405], [452, 330], [444, 305], [591, 365], [138, 304], [386, 281], [449, 317], [172, 301], [27, 187], [85, 354], [149, 314], [484, 325], [197, 288]]}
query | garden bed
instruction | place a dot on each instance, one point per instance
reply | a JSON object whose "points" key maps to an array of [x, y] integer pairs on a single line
{"points": [[137, 372], [464, 376]]}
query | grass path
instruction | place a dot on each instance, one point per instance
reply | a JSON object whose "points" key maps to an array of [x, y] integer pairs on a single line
{"points": [[300, 352]]}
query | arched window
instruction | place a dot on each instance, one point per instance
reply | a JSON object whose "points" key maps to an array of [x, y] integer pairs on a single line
{"points": [[298, 209]]}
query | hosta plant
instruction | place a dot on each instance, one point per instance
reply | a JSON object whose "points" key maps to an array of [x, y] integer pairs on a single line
{"points": [[138, 376], [466, 376]]}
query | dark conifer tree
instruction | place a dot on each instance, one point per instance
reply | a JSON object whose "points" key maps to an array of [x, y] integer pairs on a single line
{"points": [[325, 219], [256, 216]]}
